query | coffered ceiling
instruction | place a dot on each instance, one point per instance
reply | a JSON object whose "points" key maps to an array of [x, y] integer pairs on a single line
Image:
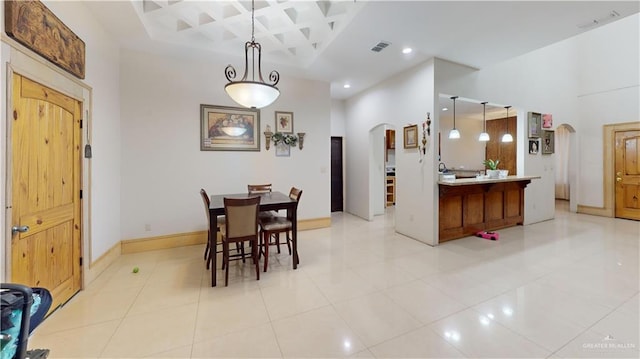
{"points": [[332, 40]]}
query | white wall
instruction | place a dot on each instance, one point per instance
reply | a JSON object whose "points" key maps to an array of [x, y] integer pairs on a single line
{"points": [[163, 168], [466, 152], [377, 169], [400, 101], [337, 118], [102, 75]]}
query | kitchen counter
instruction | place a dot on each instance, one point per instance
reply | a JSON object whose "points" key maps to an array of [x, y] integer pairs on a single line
{"points": [[470, 205], [472, 181]]}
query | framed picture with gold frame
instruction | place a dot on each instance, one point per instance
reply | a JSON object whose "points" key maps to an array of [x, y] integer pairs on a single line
{"points": [[225, 128], [411, 136]]}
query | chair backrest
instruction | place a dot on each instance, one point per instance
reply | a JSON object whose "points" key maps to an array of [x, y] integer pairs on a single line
{"points": [[259, 188], [242, 216], [294, 194], [207, 204]]}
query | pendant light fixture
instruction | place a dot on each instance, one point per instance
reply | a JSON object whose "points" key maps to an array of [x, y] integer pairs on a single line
{"points": [[507, 136], [484, 136], [254, 92], [454, 134]]}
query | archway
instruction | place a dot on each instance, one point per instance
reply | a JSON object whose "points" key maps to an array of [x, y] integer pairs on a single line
{"points": [[381, 156], [566, 151]]}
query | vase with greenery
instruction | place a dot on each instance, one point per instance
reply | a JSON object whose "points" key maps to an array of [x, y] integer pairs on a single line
{"points": [[285, 138], [492, 166]]}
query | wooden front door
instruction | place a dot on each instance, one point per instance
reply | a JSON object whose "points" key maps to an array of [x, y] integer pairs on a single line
{"points": [[46, 187], [627, 172]]}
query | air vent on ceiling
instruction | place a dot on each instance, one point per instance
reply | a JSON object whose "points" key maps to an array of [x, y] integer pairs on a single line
{"points": [[380, 46]]}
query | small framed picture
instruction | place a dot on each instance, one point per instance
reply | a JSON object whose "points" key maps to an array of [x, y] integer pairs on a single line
{"points": [[548, 142], [411, 136], [533, 147], [534, 125], [547, 120], [284, 122], [283, 150]]}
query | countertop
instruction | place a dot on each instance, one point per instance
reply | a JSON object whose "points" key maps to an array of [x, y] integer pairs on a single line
{"points": [[472, 181]]}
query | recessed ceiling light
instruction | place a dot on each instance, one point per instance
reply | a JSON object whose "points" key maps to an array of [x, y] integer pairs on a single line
{"points": [[445, 109], [347, 86], [407, 50]]}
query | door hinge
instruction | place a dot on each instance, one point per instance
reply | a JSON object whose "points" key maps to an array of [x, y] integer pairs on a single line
{"points": [[81, 261], [81, 123], [80, 194]]}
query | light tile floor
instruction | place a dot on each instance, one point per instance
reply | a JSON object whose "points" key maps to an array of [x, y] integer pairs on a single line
{"points": [[564, 288]]}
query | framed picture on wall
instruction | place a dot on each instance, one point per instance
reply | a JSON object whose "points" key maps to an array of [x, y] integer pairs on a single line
{"points": [[547, 120], [534, 145], [548, 142], [534, 125], [229, 128], [284, 122], [411, 136]]}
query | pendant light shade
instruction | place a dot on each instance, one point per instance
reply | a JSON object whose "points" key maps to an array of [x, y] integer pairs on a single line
{"points": [[507, 136], [484, 136], [252, 94], [255, 92], [454, 134]]}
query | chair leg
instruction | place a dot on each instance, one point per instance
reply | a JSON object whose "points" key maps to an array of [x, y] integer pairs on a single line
{"points": [[207, 250], [254, 253], [276, 238], [288, 242], [266, 236], [225, 250]]}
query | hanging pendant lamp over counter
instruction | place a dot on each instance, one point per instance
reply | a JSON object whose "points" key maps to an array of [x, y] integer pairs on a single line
{"points": [[484, 136], [507, 136], [254, 92], [454, 134]]}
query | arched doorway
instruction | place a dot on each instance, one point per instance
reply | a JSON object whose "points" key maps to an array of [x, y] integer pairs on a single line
{"points": [[382, 140], [566, 160]]}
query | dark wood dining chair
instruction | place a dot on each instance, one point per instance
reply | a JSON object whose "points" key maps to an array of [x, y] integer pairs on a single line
{"points": [[260, 189], [241, 226], [271, 227], [212, 237]]}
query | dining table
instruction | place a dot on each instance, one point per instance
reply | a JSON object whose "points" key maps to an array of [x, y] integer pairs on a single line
{"points": [[270, 201]]}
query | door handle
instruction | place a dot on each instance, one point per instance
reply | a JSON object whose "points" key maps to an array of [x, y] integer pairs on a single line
{"points": [[619, 174], [618, 179], [19, 229]]}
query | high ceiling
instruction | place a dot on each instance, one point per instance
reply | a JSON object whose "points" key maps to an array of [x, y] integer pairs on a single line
{"points": [[332, 40]]}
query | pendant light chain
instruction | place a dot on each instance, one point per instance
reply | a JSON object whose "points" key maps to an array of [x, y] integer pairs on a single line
{"points": [[253, 38], [252, 91]]}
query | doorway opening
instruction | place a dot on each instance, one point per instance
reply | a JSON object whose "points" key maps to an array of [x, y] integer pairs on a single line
{"points": [[337, 177], [566, 172], [382, 169]]}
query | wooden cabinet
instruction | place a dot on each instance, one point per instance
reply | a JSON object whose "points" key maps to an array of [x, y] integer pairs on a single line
{"points": [[391, 191], [503, 151], [391, 139], [467, 209]]}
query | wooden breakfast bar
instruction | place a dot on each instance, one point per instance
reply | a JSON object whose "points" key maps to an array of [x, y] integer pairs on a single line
{"points": [[470, 205]]}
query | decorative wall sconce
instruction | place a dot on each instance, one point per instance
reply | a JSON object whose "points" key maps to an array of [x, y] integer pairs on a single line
{"points": [[300, 139], [267, 137], [426, 132]]}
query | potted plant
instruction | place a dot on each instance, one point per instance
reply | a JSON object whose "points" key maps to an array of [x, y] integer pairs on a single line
{"points": [[492, 166]]}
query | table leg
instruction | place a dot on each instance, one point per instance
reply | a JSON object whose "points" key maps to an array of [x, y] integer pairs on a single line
{"points": [[294, 238]]}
